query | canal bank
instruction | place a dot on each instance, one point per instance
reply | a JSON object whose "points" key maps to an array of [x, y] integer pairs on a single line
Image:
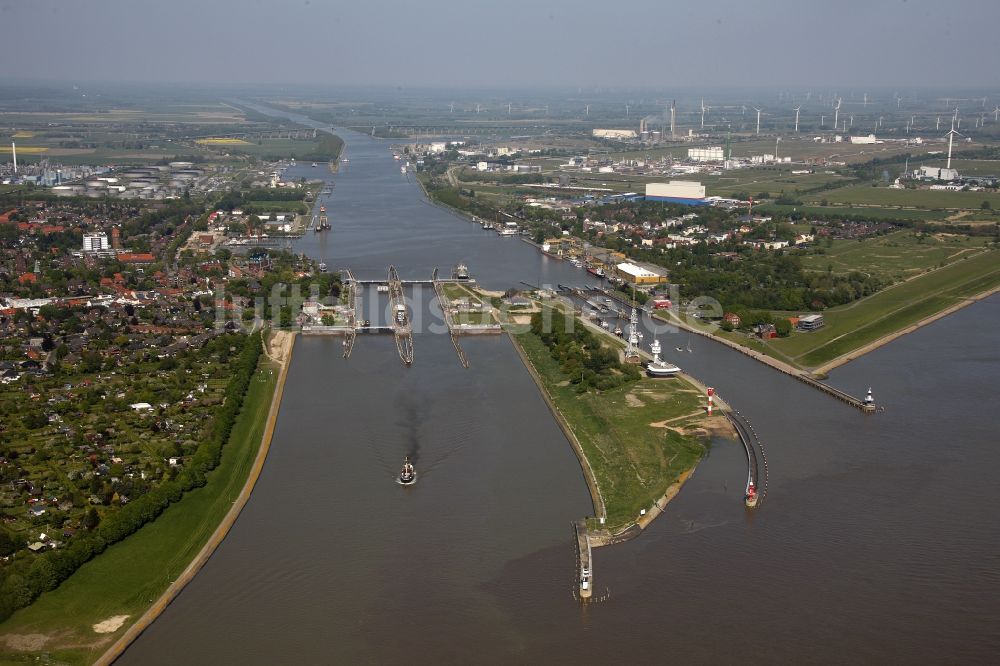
{"points": [[630, 481], [278, 349], [137, 577]]}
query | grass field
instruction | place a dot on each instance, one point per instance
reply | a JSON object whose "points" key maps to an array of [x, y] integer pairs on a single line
{"points": [[222, 141], [25, 150], [883, 196], [633, 462], [130, 575], [852, 326], [894, 256]]}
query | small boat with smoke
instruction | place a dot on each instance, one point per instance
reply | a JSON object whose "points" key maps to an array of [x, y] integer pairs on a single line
{"points": [[407, 475]]}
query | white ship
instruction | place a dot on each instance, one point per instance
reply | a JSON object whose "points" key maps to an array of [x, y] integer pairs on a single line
{"points": [[658, 367]]}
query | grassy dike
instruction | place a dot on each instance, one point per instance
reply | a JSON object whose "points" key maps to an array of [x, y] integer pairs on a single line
{"points": [[130, 576], [638, 439]]}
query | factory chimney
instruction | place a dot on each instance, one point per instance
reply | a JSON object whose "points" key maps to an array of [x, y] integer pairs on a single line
{"points": [[13, 151], [673, 119]]}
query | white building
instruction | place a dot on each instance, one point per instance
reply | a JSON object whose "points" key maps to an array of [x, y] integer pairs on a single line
{"points": [[96, 242], [614, 133], [681, 191], [708, 154], [864, 139]]}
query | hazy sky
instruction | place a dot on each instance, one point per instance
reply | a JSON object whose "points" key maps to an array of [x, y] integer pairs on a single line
{"points": [[508, 43]]}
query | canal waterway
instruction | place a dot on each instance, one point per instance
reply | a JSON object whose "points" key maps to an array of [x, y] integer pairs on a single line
{"points": [[877, 541]]}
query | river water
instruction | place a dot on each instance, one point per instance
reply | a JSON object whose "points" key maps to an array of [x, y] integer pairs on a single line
{"points": [[877, 541]]}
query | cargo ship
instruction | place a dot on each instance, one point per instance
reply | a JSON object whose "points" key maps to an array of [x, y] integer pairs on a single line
{"points": [[599, 272]]}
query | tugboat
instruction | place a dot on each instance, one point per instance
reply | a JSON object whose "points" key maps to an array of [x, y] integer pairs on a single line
{"points": [[752, 497], [407, 475], [658, 367]]}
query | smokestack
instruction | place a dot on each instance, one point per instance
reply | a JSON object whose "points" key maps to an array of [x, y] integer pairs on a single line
{"points": [[673, 119], [13, 151]]}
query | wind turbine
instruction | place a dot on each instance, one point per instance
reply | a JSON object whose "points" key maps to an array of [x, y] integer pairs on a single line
{"points": [[836, 113], [758, 119], [951, 136], [508, 108], [797, 109], [996, 113]]}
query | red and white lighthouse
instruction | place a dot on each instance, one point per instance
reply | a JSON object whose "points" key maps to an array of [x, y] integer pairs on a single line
{"points": [[711, 392]]}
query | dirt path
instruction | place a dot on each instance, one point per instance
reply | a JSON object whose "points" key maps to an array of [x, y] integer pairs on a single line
{"points": [[279, 347]]}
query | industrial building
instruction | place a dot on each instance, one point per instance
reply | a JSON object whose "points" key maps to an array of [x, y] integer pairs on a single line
{"points": [[638, 275], [614, 134], [708, 154], [687, 192], [937, 173], [864, 139]]}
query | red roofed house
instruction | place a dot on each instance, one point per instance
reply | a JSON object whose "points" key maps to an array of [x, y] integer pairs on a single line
{"points": [[28, 278], [136, 258]]}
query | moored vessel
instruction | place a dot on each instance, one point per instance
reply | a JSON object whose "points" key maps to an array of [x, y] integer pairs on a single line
{"points": [[752, 496], [658, 367]]}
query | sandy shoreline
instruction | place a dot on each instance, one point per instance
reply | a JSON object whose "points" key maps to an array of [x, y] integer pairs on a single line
{"points": [[279, 349]]}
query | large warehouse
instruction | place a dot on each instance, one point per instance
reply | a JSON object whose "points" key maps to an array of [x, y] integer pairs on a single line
{"points": [[638, 275], [686, 192]]}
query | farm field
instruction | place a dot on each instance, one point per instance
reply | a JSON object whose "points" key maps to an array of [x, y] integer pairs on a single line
{"points": [[883, 196], [867, 212]]}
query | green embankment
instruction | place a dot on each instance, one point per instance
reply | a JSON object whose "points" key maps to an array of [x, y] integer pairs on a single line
{"points": [[633, 462], [127, 577], [852, 326]]}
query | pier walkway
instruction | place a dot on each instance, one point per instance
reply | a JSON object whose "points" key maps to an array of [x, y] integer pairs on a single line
{"points": [[585, 570], [756, 461]]}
